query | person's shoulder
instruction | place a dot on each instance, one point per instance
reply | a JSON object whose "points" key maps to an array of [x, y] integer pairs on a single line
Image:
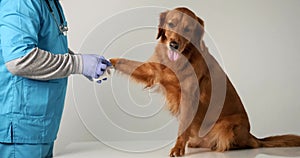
{"points": [[20, 5]]}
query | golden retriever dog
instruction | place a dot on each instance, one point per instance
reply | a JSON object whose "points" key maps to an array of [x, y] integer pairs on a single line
{"points": [[197, 90]]}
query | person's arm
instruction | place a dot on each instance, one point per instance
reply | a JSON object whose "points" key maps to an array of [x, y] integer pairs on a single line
{"points": [[42, 65], [20, 26]]}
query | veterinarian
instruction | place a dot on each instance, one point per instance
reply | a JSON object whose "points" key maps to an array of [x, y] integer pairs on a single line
{"points": [[34, 65]]}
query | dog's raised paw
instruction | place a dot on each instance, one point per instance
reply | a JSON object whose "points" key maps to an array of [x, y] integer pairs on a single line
{"points": [[114, 61]]}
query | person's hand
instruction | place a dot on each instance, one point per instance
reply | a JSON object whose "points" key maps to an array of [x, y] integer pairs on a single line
{"points": [[94, 66]]}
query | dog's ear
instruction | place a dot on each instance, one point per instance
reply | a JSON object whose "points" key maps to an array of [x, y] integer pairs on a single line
{"points": [[161, 30], [199, 32], [201, 22]]}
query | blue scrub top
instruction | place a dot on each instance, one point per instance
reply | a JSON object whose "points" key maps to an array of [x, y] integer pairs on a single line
{"points": [[30, 110]]}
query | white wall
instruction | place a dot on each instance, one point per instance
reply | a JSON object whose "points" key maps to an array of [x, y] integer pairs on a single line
{"points": [[259, 42]]}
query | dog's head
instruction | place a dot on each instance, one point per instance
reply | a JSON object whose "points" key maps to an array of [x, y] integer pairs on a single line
{"points": [[178, 28]]}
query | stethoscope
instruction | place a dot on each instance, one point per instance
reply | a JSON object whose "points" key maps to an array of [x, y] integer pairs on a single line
{"points": [[62, 27]]}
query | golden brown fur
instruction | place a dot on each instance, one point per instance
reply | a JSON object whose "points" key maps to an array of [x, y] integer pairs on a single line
{"points": [[193, 82]]}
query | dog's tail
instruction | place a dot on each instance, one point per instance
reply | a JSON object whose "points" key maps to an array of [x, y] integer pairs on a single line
{"points": [[280, 141]]}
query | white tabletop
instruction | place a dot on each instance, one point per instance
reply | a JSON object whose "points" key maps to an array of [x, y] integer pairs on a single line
{"points": [[98, 149]]}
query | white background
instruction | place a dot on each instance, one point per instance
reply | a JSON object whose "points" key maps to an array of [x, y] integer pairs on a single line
{"points": [[259, 42]]}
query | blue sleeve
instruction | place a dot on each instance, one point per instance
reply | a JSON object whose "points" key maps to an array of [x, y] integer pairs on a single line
{"points": [[19, 27]]}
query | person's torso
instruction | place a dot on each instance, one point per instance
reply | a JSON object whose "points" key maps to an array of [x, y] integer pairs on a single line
{"points": [[27, 99]]}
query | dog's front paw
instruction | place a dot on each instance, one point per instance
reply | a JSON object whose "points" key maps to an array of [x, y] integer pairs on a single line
{"points": [[177, 151], [114, 61]]}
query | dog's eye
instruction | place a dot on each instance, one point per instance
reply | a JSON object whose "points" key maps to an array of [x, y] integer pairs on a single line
{"points": [[171, 25], [186, 30]]}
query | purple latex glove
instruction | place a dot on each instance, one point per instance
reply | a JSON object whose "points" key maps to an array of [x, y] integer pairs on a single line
{"points": [[94, 66]]}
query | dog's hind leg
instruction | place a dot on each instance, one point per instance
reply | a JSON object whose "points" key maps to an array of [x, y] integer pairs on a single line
{"points": [[231, 133]]}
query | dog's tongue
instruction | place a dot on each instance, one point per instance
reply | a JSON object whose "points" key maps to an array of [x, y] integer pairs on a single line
{"points": [[173, 56]]}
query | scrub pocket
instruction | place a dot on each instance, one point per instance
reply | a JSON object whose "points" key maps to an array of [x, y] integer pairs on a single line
{"points": [[43, 98]]}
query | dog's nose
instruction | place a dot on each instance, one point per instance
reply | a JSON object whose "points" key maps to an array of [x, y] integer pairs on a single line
{"points": [[174, 45]]}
